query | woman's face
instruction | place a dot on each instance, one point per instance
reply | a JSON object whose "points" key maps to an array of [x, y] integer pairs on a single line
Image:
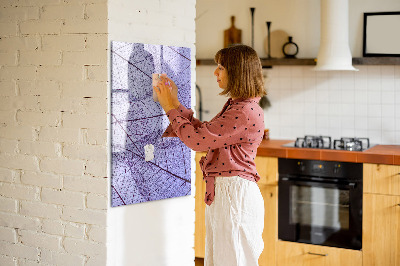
{"points": [[222, 76]]}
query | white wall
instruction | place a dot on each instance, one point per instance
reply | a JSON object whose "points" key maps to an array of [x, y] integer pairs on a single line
{"points": [[338, 104], [160, 232]]}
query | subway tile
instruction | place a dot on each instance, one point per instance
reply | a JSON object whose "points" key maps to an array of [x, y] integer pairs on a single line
{"points": [[284, 83], [388, 124], [388, 110], [348, 96], [361, 110], [375, 136], [388, 97], [374, 97], [297, 83], [361, 97], [322, 83], [335, 122], [310, 108], [322, 109], [374, 123], [347, 122], [360, 124], [397, 124], [388, 84], [397, 71], [310, 95], [374, 110], [335, 95], [334, 109], [322, 121], [387, 71], [296, 72], [388, 137], [322, 95], [347, 109], [349, 132], [374, 83]]}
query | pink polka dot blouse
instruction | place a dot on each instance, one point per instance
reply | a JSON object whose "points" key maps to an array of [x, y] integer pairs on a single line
{"points": [[231, 139]]}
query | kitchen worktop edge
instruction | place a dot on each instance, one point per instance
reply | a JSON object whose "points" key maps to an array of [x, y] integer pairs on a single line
{"points": [[379, 154]]}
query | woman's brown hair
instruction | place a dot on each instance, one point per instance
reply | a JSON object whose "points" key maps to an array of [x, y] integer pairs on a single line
{"points": [[245, 78]]}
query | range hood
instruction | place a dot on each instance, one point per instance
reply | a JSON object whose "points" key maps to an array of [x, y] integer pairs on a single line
{"points": [[334, 51]]}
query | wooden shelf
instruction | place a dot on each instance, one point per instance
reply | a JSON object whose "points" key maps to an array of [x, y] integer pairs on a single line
{"points": [[312, 61], [376, 61]]}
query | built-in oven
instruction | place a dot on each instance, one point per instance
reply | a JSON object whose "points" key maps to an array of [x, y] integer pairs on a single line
{"points": [[320, 202]]}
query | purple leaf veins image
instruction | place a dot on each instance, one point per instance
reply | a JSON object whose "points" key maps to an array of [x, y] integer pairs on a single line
{"points": [[145, 166]]}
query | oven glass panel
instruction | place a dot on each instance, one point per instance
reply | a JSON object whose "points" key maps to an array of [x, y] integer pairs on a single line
{"points": [[319, 208]]}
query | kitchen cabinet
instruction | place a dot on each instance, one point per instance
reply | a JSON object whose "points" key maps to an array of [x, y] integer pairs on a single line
{"points": [[267, 168], [200, 207], [381, 215], [298, 254], [270, 233]]}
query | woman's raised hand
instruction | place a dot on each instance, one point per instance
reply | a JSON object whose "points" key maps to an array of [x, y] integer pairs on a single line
{"points": [[165, 94], [174, 92]]}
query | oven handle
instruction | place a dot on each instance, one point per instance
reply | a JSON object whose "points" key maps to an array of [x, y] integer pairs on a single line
{"points": [[297, 181]]}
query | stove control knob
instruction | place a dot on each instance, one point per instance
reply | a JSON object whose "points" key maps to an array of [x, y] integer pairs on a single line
{"points": [[302, 167], [336, 169]]}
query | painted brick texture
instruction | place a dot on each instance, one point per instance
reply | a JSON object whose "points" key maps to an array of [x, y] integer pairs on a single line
{"points": [[53, 132]]}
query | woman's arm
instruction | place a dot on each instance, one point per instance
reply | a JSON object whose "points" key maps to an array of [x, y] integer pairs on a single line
{"points": [[186, 113], [228, 129]]}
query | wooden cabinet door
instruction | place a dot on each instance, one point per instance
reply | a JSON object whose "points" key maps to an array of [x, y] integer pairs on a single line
{"points": [[270, 233], [267, 168], [381, 230], [381, 179], [297, 254], [200, 207]]}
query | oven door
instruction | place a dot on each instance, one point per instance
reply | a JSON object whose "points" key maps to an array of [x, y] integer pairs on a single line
{"points": [[321, 212]]}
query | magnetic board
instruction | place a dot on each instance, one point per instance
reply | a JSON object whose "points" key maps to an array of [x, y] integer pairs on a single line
{"points": [[145, 166]]}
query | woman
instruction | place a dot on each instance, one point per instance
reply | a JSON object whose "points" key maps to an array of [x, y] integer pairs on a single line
{"points": [[235, 207]]}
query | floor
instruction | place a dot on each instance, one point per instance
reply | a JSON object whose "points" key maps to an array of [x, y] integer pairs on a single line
{"points": [[199, 262]]}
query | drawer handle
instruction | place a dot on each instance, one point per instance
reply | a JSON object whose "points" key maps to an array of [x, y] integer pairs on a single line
{"points": [[318, 254]]}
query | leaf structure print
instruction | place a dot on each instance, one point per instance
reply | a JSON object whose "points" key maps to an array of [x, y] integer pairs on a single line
{"points": [[137, 123]]}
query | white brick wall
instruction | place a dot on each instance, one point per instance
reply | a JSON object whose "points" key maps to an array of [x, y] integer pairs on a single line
{"points": [[53, 128]]}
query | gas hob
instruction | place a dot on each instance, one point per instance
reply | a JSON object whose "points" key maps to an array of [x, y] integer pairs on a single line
{"points": [[325, 142]]}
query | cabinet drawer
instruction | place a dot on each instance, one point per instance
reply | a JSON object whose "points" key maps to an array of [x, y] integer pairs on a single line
{"points": [[381, 179], [294, 254]]}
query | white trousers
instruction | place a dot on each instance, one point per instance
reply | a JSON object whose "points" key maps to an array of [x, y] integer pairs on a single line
{"points": [[234, 223]]}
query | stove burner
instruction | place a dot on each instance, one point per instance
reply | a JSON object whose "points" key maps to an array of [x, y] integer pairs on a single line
{"points": [[351, 144], [308, 141]]}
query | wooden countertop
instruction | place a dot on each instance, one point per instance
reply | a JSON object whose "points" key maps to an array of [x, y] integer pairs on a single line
{"points": [[379, 154]]}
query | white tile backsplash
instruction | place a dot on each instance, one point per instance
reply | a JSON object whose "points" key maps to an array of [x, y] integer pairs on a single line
{"points": [[364, 103]]}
